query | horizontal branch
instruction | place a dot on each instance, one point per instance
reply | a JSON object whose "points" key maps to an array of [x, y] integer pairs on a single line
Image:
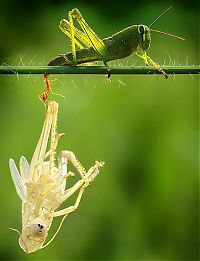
{"points": [[98, 70]]}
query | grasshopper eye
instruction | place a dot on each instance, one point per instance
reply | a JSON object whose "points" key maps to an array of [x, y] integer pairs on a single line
{"points": [[39, 229], [36, 230], [141, 30], [40, 226]]}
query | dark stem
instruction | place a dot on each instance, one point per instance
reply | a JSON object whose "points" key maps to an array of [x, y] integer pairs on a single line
{"points": [[110, 70]]}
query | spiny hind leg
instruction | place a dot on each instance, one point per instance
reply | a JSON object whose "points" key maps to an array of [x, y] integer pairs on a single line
{"points": [[148, 61], [82, 184], [91, 37], [52, 150], [82, 39], [84, 181], [70, 156], [87, 176]]}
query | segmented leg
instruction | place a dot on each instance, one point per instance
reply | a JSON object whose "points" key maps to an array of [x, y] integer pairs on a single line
{"points": [[89, 38], [39, 153], [62, 170], [71, 26], [70, 209], [65, 28], [148, 61], [52, 150], [69, 156], [63, 162], [82, 184]]}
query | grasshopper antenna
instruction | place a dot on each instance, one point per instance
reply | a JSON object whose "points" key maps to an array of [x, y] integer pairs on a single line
{"points": [[58, 229], [172, 35], [15, 230], [160, 16], [160, 32]]}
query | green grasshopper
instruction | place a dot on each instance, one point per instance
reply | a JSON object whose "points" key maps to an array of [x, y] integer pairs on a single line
{"points": [[133, 39]]}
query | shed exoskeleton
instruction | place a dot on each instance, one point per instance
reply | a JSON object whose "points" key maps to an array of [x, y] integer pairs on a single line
{"points": [[41, 186]]}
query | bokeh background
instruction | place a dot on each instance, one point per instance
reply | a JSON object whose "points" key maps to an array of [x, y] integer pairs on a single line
{"points": [[144, 203]]}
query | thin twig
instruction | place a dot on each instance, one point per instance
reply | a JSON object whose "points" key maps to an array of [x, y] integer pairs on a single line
{"points": [[192, 69]]}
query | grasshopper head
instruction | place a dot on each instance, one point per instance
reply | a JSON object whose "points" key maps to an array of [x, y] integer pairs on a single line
{"points": [[33, 236], [145, 38]]}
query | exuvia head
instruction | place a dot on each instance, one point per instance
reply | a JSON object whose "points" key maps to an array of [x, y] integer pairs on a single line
{"points": [[33, 236]]}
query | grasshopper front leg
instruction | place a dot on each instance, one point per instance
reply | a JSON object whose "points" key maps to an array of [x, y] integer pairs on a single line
{"points": [[148, 61], [70, 209]]}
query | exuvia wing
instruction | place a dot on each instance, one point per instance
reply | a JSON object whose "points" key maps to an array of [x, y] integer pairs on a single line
{"points": [[17, 180], [24, 168]]}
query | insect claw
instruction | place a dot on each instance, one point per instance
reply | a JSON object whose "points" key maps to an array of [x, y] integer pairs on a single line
{"points": [[93, 172], [70, 174], [60, 135], [99, 164], [166, 76]]}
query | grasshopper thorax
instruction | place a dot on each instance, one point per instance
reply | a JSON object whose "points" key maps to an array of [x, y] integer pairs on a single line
{"points": [[145, 37]]}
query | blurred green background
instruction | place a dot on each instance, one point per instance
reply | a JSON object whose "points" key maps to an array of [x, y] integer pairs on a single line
{"points": [[144, 203]]}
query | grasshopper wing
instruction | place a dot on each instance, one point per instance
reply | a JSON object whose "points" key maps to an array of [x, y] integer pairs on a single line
{"points": [[24, 168], [17, 180]]}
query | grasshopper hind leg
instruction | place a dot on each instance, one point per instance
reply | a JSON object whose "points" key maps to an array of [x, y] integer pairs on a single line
{"points": [[90, 47], [87, 37]]}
